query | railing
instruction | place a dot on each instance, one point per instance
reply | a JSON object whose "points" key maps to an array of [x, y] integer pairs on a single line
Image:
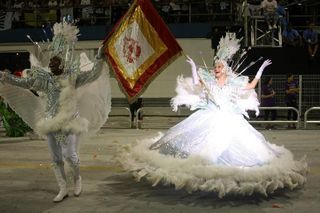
{"points": [[279, 121], [306, 121], [141, 110], [118, 112], [179, 114], [258, 33]]}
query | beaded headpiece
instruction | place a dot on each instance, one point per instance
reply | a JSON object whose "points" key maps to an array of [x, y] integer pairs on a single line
{"points": [[65, 35]]}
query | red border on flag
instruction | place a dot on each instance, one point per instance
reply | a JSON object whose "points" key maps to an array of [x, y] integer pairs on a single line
{"points": [[160, 63]]}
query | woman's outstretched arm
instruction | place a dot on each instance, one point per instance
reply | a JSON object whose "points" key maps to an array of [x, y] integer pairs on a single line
{"points": [[256, 79]]}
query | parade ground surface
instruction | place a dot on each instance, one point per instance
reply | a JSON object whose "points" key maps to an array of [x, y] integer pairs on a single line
{"points": [[27, 183]]}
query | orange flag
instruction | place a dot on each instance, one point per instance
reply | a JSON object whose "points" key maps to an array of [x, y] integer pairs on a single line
{"points": [[139, 47]]}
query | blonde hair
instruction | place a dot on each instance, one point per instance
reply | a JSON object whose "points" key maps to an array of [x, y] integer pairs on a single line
{"points": [[226, 67]]}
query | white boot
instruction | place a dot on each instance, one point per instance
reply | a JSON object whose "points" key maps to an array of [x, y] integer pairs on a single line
{"points": [[77, 187], [77, 179], [61, 179]]}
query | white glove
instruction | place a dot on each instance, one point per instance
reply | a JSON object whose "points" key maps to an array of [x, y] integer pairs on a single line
{"points": [[193, 69], [261, 69]]}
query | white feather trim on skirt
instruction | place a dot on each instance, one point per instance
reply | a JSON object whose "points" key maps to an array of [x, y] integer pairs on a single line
{"points": [[236, 161]]}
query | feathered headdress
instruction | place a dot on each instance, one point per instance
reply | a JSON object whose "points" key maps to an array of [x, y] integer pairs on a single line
{"points": [[226, 50], [228, 46], [65, 35]]}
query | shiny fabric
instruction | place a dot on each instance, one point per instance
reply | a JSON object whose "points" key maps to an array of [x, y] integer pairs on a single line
{"points": [[63, 146], [139, 47], [43, 81], [215, 149], [218, 132]]}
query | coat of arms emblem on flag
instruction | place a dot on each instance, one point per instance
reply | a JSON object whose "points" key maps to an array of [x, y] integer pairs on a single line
{"points": [[139, 47]]}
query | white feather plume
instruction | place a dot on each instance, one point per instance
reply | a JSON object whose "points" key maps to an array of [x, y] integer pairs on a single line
{"points": [[67, 30], [228, 46], [34, 61]]}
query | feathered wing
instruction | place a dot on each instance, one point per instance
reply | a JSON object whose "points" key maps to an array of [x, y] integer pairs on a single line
{"points": [[34, 61], [26, 104], [94, 99]]}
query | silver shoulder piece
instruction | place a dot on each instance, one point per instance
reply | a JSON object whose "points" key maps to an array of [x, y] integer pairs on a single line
{"points": [[42, 78]]}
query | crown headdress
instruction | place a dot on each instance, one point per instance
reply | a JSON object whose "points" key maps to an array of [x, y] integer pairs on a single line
{"points": [[228, 46]]}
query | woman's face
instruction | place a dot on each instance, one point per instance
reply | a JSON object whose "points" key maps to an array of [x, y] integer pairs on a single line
{"points": [[219, 70]]}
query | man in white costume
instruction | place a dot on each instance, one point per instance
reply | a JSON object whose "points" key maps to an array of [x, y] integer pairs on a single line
{"points": [[63, 119]]}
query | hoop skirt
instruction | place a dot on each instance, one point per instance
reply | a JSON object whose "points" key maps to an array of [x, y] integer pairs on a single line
{"points": [[215, 148]]}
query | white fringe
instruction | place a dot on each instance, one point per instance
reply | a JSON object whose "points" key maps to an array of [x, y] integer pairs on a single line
{"points": [[64, 120], [197, 174], [187, 94]]}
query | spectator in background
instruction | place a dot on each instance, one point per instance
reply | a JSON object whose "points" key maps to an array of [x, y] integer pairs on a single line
{"points": [[291, 91], [133, 109], [165, 9], [268, 100], [175, 10], [116, 13], [269, 8], [87, 13], [310, 38], [52, 3], [66, 8], [291, 37], [17, 14], [184, 12], [281, 13], [254, 7]]}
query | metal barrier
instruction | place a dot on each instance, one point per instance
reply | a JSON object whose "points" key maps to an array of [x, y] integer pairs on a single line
{"points": [[280, 121], [297, 122], [306, 116], [173, 114], [112, 114]]}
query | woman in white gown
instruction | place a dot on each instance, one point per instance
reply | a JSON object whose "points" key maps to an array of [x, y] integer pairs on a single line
{"points": [[216, 149]]}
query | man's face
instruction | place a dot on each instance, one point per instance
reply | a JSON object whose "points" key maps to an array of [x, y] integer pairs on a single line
{"points": [[54, 65]]}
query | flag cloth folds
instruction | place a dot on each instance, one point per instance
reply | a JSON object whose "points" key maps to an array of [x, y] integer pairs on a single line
{"points": [[139, 47]]}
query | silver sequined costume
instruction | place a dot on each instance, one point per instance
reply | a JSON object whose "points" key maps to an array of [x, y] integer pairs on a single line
{"points": [[57, 120], [77, 101]]}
